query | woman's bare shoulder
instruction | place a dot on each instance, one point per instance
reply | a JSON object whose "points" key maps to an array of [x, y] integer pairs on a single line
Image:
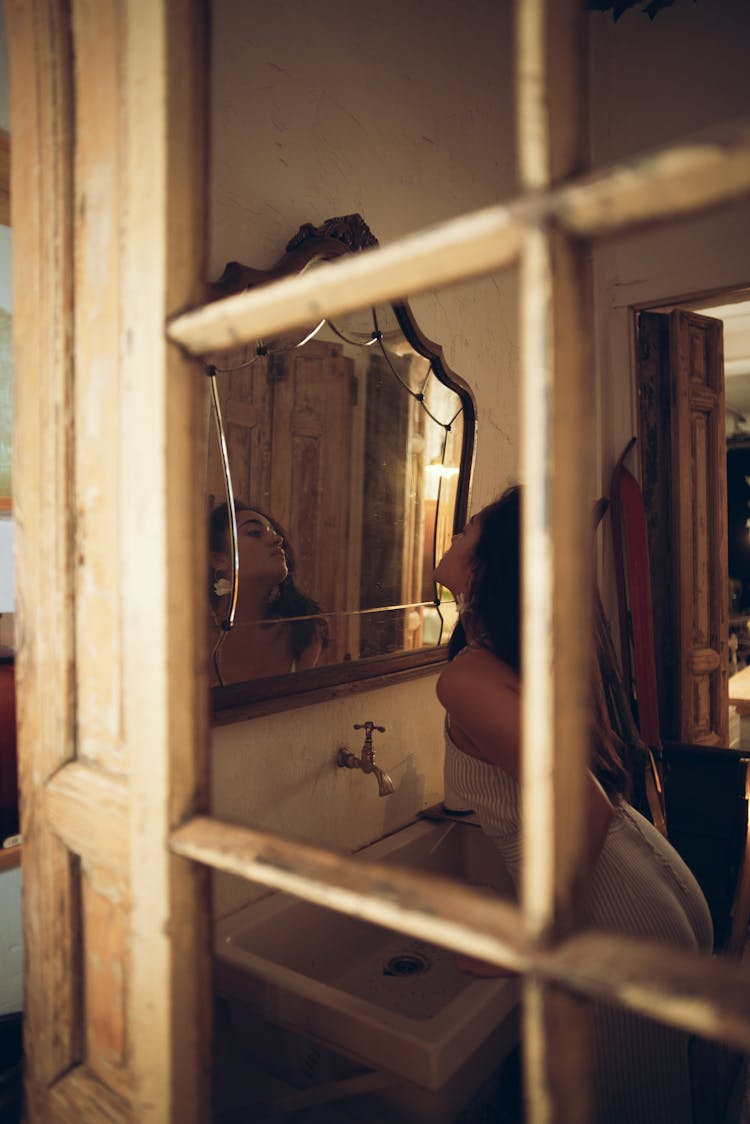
{"points": [[481, 696], [475, 671]]}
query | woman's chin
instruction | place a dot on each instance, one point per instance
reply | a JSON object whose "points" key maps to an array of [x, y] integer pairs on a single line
{"points": [[440, 579]]}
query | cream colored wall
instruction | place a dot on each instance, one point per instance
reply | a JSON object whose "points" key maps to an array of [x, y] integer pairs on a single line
{"points": [[279, 773], [403, 114], [678, 78], [653, 83]]}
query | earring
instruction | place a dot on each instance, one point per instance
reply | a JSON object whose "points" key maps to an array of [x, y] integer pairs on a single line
{"points": [[222, 586]]}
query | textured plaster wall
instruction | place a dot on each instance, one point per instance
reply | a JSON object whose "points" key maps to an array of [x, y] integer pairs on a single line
{"points": [[381, 109], [403, 114], [278, 773], [652, 84]]}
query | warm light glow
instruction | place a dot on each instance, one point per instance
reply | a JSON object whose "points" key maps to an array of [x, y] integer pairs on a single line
{"points": [[445, 471]]}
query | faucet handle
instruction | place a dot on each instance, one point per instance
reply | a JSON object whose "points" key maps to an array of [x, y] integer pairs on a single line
{"points": [[368, 727]]}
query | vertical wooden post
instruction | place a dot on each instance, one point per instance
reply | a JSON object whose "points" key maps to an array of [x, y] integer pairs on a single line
{"points": [[162, 461], [557, 383], [108, 441], [41, 109]]}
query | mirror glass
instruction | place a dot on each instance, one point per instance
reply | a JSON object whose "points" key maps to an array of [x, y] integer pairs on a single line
{"points": [[349, 447]]}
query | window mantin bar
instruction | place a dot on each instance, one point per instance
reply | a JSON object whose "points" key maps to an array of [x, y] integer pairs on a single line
{"points": [[669, 184], [707, 995], [482, 241], [556, 458]]}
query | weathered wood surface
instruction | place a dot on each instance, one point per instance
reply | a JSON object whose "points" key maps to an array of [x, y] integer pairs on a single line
{"points": [[699, 527], [105, 907], [80, 1098], [557, 382], [42, 458], [89, 811], [98, 31], [162, 443]]}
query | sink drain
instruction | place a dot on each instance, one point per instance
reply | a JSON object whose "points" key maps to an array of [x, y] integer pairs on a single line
{"points": [[406, 964]]}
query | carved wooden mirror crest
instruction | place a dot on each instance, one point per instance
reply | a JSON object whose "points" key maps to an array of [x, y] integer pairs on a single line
{"points": [[349, 448]]}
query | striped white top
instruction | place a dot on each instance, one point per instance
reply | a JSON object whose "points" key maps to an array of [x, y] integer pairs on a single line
{"points": [[640, 886]]}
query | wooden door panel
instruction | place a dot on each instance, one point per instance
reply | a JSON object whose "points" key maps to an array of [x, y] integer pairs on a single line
{"points": [[699, 471], [106, 912], [683, 469], [306, 455], [311, 475], [245, 400]]}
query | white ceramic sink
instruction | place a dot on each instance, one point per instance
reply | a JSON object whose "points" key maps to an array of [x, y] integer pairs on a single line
{"points": [[384, 999]]}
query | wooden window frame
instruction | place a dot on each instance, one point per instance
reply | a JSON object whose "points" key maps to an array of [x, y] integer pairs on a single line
{"points": [[127, 803], [545, 231]]}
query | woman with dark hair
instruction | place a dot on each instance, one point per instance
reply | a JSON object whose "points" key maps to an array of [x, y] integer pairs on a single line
{"points": [[278, 629], [638, 883]]}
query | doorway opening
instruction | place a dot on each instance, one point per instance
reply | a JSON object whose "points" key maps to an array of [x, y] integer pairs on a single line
{"points": [[695, 467], [733, 309]]}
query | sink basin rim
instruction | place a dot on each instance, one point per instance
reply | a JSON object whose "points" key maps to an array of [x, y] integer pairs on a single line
{"points": [[424, 1050]]}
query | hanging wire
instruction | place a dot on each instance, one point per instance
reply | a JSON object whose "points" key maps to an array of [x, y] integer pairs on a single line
{"points": [[375, 337], [366, 341], [228, 623], [239, 366], [417, 395], [262, 350]]}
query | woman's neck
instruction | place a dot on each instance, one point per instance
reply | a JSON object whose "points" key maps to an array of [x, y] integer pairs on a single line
{"points": [[254, 651]]}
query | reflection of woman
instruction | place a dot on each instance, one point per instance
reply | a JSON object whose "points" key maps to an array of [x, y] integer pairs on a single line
{"points": [[263, 641], [638, 883]]}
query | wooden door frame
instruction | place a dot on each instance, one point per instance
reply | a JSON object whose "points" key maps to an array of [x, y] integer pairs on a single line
{"points": [[102, 892]]}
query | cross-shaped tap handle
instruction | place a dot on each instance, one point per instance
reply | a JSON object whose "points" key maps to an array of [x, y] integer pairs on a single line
{"points": [[368, 727]]}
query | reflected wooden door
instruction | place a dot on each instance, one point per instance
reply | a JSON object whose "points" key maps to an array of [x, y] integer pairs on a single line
{"points": [[288, 420], [311, 475]]}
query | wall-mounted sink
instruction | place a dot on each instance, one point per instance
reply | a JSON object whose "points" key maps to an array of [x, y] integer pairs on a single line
{"points": [[384, 999]]}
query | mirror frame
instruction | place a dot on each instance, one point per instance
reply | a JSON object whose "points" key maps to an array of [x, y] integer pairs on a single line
{"points": [[233, 703]]}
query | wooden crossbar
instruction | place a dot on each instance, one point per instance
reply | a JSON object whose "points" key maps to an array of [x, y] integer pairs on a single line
{"points": [[670, 184], [708, 996]]}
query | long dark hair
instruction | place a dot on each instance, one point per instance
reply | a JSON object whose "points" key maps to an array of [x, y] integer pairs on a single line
{"points": [[290, 601], [494, 616], [494, 608]]}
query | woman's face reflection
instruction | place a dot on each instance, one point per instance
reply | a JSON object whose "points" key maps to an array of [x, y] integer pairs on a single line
{"points": [[261, 549]]}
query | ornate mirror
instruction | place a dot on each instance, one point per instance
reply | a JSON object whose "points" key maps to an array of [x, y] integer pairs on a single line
{"points": [[346, 449]]}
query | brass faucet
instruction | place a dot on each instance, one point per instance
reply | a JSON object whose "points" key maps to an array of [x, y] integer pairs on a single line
{"points": [[366, 762]]}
